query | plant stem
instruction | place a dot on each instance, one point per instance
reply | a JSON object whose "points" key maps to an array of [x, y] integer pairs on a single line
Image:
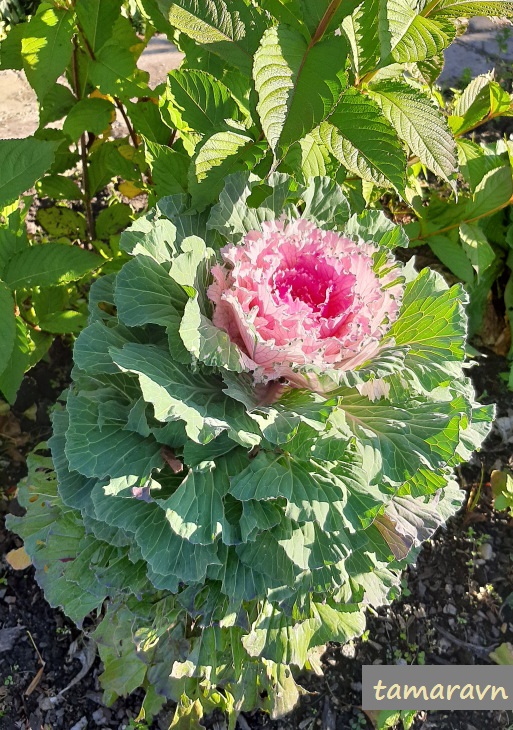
{"points": [[326, 20], [91, 231], [131, 131]]}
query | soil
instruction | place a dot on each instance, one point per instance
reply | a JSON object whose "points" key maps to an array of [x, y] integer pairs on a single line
{"points": [[455, 607]]}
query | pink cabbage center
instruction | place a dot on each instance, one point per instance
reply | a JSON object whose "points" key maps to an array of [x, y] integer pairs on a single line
{"points": [[294, 296]]}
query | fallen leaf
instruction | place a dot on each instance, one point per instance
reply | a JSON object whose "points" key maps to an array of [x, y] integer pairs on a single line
{"points": [[34, 682], [18, 559]]}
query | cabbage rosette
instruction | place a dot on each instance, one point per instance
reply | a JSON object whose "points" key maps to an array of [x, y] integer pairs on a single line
{"points": [[265, 415]]}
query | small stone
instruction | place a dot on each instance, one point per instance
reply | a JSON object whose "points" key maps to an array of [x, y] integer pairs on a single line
{"points": [[450, 609], [99, 717], [486, 551], [401, 662], [81, 724], [349, 650], [448, 589]]}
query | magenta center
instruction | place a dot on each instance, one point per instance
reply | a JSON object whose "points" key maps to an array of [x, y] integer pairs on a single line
{"points": [[316, 284]]}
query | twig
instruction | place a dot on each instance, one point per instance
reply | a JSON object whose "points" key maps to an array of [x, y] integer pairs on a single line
{"points": [[481, 651], [32, 686]]}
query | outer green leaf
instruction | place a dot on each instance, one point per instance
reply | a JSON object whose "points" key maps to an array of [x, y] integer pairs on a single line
{"points": [[431, 318], [420, 124], [46, 48], [166, 553], [372, 226], [206, 342], [196, 511], [179, 394], [232, 216], [152, 238], [7, 325], [23, 162], [311, 493], [403, 438], [234, 34], [359, 136], [49, 264], [286, 70], [196, 101], [92, 348], [108, 450], [325, 203], [146, 293]]}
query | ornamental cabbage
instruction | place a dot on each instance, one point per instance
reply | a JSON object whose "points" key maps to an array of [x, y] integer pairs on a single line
{"points": [[265, 415]]}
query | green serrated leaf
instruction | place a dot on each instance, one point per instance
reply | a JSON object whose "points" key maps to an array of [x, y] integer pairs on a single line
{"points": [[233, 34], [88, 115], [196, 101], [46, 48], [7, 325], [359, 136], [169, 169], [285, 71], [219, 155], [406, 37], [24, 161], [420, 124], [49, 264]]}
